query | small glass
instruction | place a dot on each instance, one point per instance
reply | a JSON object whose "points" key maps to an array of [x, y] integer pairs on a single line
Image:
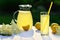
{"points": [[44, 18]]}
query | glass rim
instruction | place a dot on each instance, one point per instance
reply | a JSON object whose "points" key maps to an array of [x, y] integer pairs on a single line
{"points": [[43, 12]]}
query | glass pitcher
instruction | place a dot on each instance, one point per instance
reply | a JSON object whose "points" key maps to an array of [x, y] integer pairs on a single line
{"points": [[24, 19]]}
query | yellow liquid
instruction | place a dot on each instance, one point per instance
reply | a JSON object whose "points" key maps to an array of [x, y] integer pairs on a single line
{"points": [[24, 19], [44, 24]]}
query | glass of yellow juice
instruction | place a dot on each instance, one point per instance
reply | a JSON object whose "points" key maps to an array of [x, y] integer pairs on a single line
{"points": [[44, 18]]}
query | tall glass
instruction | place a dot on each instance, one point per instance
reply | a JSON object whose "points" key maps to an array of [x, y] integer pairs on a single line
{"points": [[44, 18]]}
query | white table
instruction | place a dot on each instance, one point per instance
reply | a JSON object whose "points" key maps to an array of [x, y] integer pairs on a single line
{"points": [[36, 36], [50, 37]]}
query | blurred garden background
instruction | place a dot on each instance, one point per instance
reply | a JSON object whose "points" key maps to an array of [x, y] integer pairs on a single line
{"points": [[8, 7]]}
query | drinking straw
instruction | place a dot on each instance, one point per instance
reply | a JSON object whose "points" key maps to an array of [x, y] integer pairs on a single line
{"points": [[48, 13], [50, 7]]}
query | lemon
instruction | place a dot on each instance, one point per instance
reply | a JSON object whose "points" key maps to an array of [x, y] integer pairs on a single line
{"points": [[37, 25], [54, 27]]}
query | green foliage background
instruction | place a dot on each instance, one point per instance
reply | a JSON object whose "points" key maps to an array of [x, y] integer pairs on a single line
{"points": [[8, 7]]}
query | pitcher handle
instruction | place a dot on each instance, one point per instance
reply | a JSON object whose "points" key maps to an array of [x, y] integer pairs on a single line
{"points": [[14, 16]]}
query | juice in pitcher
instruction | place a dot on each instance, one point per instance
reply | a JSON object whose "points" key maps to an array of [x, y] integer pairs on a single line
{"points": [[24, 19]]}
